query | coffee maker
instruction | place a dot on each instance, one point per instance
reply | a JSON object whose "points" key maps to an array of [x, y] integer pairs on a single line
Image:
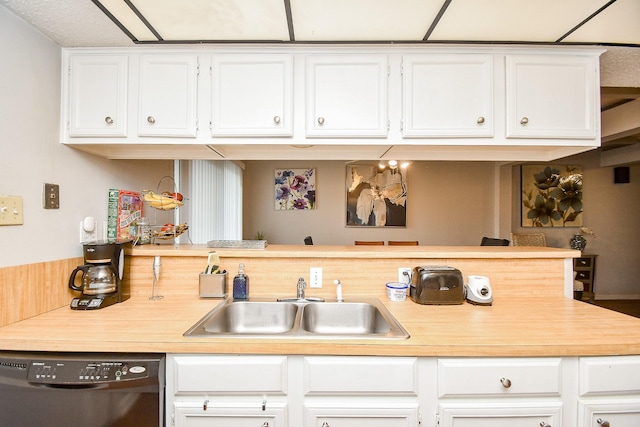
{"points": [[103, 279]]}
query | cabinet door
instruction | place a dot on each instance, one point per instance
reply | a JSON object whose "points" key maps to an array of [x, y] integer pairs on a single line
{"points": [[252, 95], [98, 95], [447, 96], [355, 415], [551, 96], [168, 86], [190, 414], [491, 415], [613, 413], [346, 96]]}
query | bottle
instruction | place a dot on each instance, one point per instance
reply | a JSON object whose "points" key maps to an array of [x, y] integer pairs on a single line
{"points": [[240, 284]]}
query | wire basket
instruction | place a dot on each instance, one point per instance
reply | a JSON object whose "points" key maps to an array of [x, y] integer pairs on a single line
{"points": [[168, 231], [163, 200]]}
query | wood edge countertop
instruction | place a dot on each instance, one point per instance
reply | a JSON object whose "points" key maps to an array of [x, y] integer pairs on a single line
{"points": [[511, 327], [353, 251]]}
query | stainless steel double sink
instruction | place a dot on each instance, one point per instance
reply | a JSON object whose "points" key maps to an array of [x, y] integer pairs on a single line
{"points": [[264, 318]]}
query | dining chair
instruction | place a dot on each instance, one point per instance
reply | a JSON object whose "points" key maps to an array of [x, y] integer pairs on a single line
{"points": [[528, 239], [370, 242], [403, 243], [490, 241]]}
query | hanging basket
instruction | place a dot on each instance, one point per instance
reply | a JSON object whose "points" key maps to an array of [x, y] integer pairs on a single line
{"points": [[163, 200]]}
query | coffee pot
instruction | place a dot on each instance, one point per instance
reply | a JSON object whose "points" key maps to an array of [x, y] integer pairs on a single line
{"points": [[101, 277]]}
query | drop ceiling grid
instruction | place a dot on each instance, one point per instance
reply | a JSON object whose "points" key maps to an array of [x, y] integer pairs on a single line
{"points": [[619, 23], [513, 20]]}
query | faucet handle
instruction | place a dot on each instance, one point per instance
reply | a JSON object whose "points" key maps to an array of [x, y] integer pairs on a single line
{"points": [[301, 285]]}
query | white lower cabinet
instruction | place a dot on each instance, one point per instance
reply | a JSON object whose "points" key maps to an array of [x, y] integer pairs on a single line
{"points": [[352, 414], [609, 392], [380, 391], [192, 414]]}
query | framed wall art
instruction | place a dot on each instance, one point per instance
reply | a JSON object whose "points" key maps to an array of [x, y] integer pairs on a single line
{"points": [[551, 195], [375, 197], [295, 189]]}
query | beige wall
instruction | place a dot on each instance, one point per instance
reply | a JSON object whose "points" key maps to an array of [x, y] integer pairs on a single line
{"points": [[449, 203]]}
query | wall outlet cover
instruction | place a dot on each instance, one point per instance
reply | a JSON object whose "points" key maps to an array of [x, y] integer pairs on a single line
{"points": [[404, 275], [315, 277]]}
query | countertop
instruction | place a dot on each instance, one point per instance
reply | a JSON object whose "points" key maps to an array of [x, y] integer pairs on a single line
{"points": [[518, 327]]}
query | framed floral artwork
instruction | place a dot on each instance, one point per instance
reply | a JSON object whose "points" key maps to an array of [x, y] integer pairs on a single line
{"points": [[551, 195], [295, 189], [375, 197]]}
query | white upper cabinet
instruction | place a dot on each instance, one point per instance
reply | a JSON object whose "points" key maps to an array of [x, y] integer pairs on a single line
{"points": [[252, 95], [168, 95], [552, 96], [447, 95], [97, 96], [346, 96]]}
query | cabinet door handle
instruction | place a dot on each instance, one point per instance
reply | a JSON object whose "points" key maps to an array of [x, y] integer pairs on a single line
{"points": [[325, 424], [602, 422], [480, 120], [205, 404], [151, 120], [320, 120], [543, 424], [524, 120], [265, 424], [276, 120], [108, 120], [506, 382]]}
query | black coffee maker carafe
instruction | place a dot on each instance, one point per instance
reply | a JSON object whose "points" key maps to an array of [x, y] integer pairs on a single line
{"points": [[102, 279]]}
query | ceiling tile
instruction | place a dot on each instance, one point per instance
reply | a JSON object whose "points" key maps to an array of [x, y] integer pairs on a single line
{"points": [[357, 20], [619, 23], [216, 19], [513, 20]]}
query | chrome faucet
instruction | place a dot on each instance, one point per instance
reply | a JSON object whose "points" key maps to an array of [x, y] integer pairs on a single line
{"points": [[338, 290], [301, 286]]}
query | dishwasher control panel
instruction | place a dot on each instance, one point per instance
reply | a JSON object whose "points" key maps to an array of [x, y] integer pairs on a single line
{"points": [[84, 372]]}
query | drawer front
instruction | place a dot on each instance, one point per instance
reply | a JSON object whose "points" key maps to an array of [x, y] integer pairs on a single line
{"points": [[468, 377], [583, 275], [229, 374], [609, 375], [363, 375], [500, 415], [583, 262]]}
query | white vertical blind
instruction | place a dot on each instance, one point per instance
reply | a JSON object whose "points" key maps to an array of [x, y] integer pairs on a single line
{"points": [[216, 200]]}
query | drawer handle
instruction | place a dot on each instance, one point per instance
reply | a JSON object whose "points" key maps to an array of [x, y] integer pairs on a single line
{"points": [[205, 404], [265, 424], [524, 121], [320, 120], [108, 120], [506, 382], [325, 424], [602, 422], [276, 120], [543, 424], [151, 120], [480, 120]]}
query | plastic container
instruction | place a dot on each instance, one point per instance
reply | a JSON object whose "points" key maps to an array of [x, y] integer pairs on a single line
{"points": [[397, 291]]}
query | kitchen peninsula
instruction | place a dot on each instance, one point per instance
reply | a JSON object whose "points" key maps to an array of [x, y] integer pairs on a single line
{"points": [[534, 356]]}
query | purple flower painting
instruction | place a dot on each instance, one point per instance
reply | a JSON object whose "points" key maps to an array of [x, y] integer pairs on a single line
{"points": [[295, 189]]}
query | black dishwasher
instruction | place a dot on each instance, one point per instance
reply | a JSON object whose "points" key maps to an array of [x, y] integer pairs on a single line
{"points": [[81, 389]]}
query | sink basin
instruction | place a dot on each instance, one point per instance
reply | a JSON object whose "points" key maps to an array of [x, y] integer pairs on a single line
{"points": [[344, 318], [299, 319], [244, 317]]}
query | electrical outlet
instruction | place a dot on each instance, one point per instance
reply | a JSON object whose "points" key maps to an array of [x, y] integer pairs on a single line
{"points": [[404, 275], [315, 277], [11, 210], [88, 230]]}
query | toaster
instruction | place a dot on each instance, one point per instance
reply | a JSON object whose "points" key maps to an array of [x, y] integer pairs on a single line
{"points": [[437, 285]]}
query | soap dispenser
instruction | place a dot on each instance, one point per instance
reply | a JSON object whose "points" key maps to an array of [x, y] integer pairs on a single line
{"points": [[240, 284]]}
